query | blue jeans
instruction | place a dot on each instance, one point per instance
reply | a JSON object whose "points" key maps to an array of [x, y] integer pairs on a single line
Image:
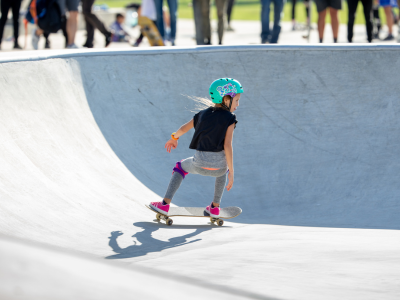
{"points": [[173, 8], [266, 36]]}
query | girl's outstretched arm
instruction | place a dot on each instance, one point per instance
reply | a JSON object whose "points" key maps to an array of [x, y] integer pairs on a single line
{"points": [[181, 131], [229, 154]]}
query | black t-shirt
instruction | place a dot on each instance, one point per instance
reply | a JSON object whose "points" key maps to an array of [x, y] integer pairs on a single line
{"points": [[210, 126]]}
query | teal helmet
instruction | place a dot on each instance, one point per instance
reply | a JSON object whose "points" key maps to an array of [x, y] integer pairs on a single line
{"points": [[222, 87]]}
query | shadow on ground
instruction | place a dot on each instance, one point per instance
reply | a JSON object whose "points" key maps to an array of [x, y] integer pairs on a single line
{"points": [[148, 243]]}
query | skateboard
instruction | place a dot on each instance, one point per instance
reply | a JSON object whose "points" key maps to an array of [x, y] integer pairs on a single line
{"points": [[225, 213], [150, 31]]}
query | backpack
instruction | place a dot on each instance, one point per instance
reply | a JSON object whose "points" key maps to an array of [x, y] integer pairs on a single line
{"points": [[47, 13]]}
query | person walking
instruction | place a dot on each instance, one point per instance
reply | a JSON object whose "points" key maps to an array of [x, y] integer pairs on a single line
{"points": [[93, 22], [15, 6], [367, 5], [334, 6], [212, 140], [173, 11], [266, 35]]}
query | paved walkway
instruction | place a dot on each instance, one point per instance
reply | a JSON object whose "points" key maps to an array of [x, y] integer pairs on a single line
{"points": [[246, 32]]}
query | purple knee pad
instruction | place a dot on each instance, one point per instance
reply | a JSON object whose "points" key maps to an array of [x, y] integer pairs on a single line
{"points": [[178, 168]]}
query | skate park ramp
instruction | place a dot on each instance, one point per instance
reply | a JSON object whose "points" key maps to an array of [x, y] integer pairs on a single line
{"points": [[316, 174]]}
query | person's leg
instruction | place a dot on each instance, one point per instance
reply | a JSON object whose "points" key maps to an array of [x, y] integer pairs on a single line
{"points": [[5, 7], [376, 19], [220, 183], [160, 17], [352, 4], [72, 22], [16, 5], [89, 33], [293, 14], [265, 9], [72, 26], [334, 23], [92, 18], [64, 29], [278, 6], [205, 12], [229, 7], [197, 13], [220, 13], [307, 7], [180, 171], [367, 4], [46, 35], [173, 12], [389, 18], [321, 25]]}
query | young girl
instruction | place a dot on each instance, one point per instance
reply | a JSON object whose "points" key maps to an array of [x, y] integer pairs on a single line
{"points": [[212, 141]]}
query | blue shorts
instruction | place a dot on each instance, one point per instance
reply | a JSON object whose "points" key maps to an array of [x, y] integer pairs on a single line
{"points": [[392, 3]]}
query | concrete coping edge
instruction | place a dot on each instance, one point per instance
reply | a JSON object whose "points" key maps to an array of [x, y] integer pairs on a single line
{"points": [[64, 53]]}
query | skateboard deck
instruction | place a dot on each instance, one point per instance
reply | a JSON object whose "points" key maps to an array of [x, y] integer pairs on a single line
{"points": [[225, 213], [150, 31]]}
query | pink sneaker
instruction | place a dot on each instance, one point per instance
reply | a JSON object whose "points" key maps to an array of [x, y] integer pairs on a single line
{"points": [[158, 206], [213, 212]]}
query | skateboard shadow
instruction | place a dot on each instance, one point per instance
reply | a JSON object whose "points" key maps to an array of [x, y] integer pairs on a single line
{"points": [[150, 244]]}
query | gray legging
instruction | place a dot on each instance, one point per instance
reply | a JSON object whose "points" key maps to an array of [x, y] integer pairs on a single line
{"points": [[194, 165]]}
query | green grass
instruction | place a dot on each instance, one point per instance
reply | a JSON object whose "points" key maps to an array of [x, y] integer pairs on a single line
{"points": [[251, 10]]}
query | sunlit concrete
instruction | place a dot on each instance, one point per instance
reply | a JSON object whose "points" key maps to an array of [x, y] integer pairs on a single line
{"points": [[316, 148]]}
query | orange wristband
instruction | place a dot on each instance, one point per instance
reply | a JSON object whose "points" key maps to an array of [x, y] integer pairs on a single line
{"points": [[174, 138]]}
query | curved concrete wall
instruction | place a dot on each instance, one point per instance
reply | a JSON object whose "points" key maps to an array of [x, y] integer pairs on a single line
{"points": [[315, 145]]}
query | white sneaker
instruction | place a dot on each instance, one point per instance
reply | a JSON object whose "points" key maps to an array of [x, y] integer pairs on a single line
{"points": [[72, 46], [35, 40]]}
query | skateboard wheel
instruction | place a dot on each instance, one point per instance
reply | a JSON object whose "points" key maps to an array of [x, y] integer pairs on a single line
{"points": [[158, 216], [220, 222], [169, 222], [212, 220]]}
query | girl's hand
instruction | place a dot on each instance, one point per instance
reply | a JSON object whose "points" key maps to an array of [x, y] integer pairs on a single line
{"points": [[171, 144], [230, 182]]}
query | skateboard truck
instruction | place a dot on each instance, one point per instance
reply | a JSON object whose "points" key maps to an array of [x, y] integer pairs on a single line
{"points": [[167, 220]]}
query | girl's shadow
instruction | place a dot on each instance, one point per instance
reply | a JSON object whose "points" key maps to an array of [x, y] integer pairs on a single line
{"points": [[150, 244]]}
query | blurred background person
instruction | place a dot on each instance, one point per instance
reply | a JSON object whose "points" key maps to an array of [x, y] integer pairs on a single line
{"points": [[229, 7], [198, 6], [92, 23], [266, 35], [387, 6], [15, 6], [398, 22], [146, 9], [72, 21], [367, 5], [173, 12], [119, 34], [202, 8], [334, 6], [376, 19], [306, 5]]}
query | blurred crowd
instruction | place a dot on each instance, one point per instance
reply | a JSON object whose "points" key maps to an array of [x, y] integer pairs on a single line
{"points": [[50, 16]]}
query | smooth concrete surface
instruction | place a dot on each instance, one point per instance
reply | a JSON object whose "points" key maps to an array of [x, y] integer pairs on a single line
{"points": [[82, 137]]}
